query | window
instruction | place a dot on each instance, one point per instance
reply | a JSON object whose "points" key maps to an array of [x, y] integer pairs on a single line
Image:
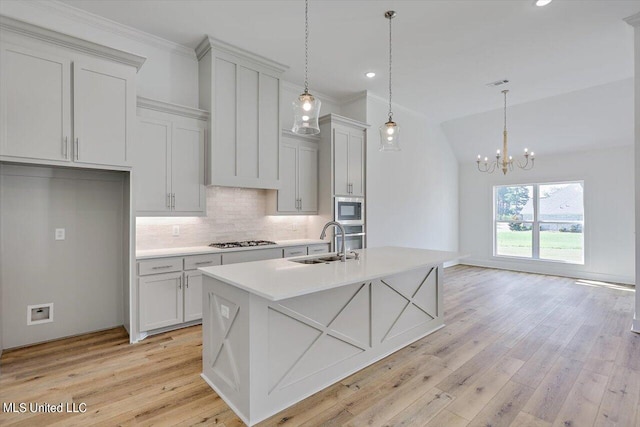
{"points": [[540, 221]]}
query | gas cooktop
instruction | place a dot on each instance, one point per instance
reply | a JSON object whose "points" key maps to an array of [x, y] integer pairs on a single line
{"points": [[245, 244]]}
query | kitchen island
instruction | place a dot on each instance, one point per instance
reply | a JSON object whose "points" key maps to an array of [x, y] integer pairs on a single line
{"points": [[277, 331]]}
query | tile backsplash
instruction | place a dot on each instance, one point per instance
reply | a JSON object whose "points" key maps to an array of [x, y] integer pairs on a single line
{"points": [[233, 214]]}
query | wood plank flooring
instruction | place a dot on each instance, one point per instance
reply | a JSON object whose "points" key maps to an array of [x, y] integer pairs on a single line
{"points": [[518, 350]]}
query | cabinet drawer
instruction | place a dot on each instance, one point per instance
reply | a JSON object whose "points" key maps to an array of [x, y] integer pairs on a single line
{"points": [[319, 249], [295, 251], [253, 255], [197, 261], [161, 265]]}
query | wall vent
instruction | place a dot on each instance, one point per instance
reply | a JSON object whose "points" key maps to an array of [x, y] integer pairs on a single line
{"points": [[39, 313], [498, 83]]}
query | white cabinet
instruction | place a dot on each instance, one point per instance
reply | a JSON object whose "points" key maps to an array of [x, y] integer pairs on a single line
{"points": [[192, 295], [34, 89], [242, 91], [348, 149], [174, 297], [169, 159], [298, 193], [39, 122], [161, 300]]}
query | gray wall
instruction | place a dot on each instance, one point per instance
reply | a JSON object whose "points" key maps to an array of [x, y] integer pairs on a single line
{"points": [[81, 275]]}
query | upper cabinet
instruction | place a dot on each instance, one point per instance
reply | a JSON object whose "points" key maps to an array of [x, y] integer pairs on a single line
{"points": [[242, 92], [345, 140], [39, 121], [298, 193], [169, 159]]}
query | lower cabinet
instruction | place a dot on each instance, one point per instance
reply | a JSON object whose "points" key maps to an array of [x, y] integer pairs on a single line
{"points": [[161, 300], [192, 295], [170, 299], [170, 288]]}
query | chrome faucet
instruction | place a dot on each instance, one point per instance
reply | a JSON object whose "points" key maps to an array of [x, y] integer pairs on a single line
{"points": [[324, 233]]}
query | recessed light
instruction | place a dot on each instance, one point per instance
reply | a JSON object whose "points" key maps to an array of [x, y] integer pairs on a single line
{"points": [[541, 3], [370, 74]]}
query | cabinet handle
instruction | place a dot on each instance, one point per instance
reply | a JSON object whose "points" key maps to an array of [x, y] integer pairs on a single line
{"points": [[295, 253], [300, 203], [77, 149], [173, 200], [203, 262], [64, 147], [169, 200], [160, 267], [186, 282], [179, 282]]}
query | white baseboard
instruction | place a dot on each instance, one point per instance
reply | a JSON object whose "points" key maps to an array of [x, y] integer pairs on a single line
{"points": [[562, 270]]}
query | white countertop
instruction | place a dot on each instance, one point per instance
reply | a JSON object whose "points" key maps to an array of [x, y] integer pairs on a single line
{"points": [[278, 279], [201, 250]]}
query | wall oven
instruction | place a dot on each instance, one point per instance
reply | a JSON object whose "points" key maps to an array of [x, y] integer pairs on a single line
{"points": [[349, 210], [354, 238]]}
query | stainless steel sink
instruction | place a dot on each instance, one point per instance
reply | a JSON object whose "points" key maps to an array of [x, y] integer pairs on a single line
{"points": [[326, 259]]}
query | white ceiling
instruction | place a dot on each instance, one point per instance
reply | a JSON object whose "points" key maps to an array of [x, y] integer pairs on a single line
{"points": [[444, 53]]}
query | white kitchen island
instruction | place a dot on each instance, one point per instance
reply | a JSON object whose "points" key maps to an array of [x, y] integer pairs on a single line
{"points": [[277, 331]]}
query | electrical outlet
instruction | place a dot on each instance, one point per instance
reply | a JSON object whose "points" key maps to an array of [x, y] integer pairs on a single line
{"points": [[224, 311], [60, 234], [176, 230], [294, 226]]}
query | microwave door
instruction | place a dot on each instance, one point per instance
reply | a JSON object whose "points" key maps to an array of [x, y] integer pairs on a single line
{"points": [[352, 242]]}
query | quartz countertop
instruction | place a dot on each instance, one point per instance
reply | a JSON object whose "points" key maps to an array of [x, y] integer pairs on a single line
{"points": [[202, 250], [278, 279]]}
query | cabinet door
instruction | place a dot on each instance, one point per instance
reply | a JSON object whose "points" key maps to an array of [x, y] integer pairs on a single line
{"points": [[151, 161], [103, 102], [187, 168], [252, 255], [247, 141], [161, 300], [269, 127], [356, 162], [192, 296], [288, 192], [223, 139], [341, 161], [308, 179], [35, 104]]}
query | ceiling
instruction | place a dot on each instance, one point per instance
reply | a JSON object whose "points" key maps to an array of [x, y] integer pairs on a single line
{"points": [[444, 51]]}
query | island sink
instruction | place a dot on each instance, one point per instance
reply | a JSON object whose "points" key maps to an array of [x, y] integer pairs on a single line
{"points": [[323, 259]]}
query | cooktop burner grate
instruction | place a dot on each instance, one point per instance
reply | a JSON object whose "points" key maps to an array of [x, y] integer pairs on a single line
{"points": [[243, 244]]}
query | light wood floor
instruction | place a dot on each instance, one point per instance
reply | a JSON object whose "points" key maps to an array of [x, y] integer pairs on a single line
{"points": [[518, 350]]}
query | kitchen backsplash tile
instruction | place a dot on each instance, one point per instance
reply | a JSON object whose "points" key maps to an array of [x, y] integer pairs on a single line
{"points": [[232, 214]]}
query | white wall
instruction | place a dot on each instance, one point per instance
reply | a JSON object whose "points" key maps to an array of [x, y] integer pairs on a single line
{"points": [[608, 204], [170, 72], [412, 195], [82, 275]]}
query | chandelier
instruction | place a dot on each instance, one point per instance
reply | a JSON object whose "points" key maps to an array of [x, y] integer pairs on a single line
{"points": [[503, 161], [306, 107]]}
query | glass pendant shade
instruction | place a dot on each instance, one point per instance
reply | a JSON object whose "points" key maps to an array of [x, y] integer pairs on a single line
{"points": [[306, 110], [390, 136]]}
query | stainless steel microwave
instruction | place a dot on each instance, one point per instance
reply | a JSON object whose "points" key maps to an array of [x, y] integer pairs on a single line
{"points": [[349, 210]]}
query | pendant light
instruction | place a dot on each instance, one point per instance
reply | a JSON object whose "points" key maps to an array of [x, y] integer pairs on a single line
{"points": [[306, 107], [390, 131]]}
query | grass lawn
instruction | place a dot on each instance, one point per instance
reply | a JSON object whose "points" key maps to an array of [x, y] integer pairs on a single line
{"points": [[554, 245]]}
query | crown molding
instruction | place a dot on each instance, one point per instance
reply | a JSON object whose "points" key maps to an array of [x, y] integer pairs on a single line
{"points": [[298, 88], [209, 43], [342, 120], [355, 97], [65, 40], [167, 107], [101, 23], [633, 20]]}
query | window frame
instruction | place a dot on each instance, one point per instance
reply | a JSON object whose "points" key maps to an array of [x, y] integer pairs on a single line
{"points": [[536, 222]]}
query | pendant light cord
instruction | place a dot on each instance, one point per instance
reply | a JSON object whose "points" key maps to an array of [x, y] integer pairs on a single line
{"points": [[390, 60], [306, 46]]}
